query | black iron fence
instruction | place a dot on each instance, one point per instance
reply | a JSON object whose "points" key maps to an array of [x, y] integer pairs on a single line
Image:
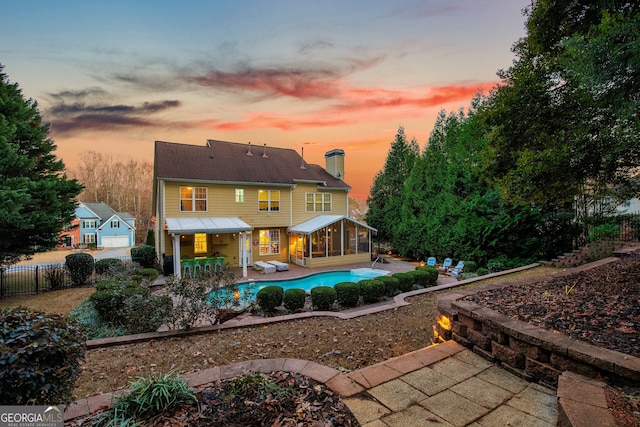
{"points": [[622, 228], [18, 280]]}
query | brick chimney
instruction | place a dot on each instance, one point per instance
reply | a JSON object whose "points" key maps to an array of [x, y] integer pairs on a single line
{"points": [[334, 160]]}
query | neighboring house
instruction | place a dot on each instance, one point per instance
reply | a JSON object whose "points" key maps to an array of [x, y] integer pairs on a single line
{"points": [[97, 224], [253, 203]]}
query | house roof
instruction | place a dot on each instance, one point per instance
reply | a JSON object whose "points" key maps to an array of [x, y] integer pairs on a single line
{"points": [[207, 225], [101, 209], [221, 161], [321, 221]]}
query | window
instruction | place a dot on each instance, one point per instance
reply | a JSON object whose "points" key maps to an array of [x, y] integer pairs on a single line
{"points": [[89, 223], [269, 242], [200, 243], [239, 195], [115, 224], [89, 238], [193, 199], [318, 202], [269, 200]]}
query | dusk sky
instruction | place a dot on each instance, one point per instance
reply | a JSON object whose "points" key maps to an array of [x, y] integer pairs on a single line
{"points": [[115, 76]]}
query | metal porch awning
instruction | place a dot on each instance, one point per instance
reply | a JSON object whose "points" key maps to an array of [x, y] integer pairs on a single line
{"points": [[321, 221], [193, 225]]}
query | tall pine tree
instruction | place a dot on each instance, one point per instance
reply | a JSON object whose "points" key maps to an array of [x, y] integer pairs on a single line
{"points": [[37, 198], [387, 190]]}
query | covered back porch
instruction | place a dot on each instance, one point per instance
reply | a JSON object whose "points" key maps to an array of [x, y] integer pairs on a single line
{"points": [[207, 243], [330, 240]]}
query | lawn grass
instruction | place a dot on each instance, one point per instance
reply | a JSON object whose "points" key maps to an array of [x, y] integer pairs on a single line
{"points": [[55, 302]]}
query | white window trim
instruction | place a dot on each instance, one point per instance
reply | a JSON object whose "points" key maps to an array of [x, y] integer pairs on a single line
{"points": [[271, 232], [323, 196], [194, 199], [269, 201]]}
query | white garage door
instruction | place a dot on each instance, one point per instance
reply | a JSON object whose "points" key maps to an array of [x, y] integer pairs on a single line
{"points": [[115, 242]]}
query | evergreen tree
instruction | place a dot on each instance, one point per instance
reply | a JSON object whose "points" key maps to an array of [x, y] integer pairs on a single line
{"points": [[37, 198], [387, 190]]}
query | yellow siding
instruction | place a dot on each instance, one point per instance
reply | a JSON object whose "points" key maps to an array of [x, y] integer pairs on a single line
{"points": [[337, 260], [221, 203], [300, 214]]}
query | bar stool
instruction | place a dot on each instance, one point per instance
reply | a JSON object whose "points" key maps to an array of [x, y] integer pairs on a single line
{"points": [[207, 266], [187, 267]]}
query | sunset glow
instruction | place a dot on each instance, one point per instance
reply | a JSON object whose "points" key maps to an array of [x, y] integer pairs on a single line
{"points": [[114, 77]]}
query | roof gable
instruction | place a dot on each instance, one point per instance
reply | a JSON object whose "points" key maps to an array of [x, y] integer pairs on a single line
{"points": [[101, 210], [222, 161]]}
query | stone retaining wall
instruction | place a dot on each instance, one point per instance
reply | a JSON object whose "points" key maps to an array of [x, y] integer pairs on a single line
{"points": [[532, 353]]}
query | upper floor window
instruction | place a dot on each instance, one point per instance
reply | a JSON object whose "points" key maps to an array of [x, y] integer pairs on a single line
{"points": [[318, 202], [193, 199], [115, 224], [269, 242], [239, 195], [269, 200], [89, 223]]}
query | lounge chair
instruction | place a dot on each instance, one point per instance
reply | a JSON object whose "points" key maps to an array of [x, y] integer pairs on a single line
{"points": [[280, 266], [446, 265], [457, 270], [264, 267], [431, 261]]}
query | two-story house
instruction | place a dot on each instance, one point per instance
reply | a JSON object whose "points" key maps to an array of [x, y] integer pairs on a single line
{"points": [[97, 224], [250, 203]]}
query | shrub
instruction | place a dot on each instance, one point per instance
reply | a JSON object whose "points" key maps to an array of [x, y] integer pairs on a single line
{"points": [[420, 278], [470, 267], [40, 357], [294, 299], [107, 265], [482, 271], [347, 293], [87, 316], [151, 238], [465, 276], [147, 398], [80, 267], [55, 274], [146, 313], [110, 301], [149, 274], [371, 290], [270, 297], [200, 299], [405, 281], [323, 297], [496, 264], [390, 285], [144, 255]]}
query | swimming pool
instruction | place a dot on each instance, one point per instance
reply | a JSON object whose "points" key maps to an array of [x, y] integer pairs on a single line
{"points": [[328, 278]]}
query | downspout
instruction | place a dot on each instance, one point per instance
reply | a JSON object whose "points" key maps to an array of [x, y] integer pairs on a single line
{"points": [[243, 251], [175, 240]]}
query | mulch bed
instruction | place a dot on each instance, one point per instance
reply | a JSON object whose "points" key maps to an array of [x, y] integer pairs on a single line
{"points": [[274, 399], [600, 306]]}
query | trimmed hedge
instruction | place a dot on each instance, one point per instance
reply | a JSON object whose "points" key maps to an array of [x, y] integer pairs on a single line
{"points": [[390, 285], [371, 289], [40, 357], [294, 299], [433, 275], [323, 297], [347, 293], [150, 274], [405, 281], [270, 297], [482, 271], [80, 267], [420, 278], [144, 255]]}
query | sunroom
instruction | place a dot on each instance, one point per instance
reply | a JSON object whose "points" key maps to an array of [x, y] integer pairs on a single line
{"points": [[330, 240]]}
